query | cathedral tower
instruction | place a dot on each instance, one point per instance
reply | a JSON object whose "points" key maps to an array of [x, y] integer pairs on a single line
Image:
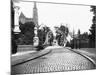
{"points": [[35, 15], [35, 20]]}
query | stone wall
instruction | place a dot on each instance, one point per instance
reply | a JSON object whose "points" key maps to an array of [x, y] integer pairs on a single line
{"points": [[22, 48]]}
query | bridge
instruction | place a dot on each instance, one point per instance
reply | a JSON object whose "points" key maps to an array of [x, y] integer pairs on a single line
{"points": [[53, 59]]}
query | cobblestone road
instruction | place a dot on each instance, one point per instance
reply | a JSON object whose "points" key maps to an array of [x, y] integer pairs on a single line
{"points": [[58, 60]]}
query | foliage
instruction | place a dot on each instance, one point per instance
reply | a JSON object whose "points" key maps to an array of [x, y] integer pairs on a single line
{"points": [[12, 15], [27, 33], [64, 29], [92, 30], [79, 32], [42, 34], [60, 37], [93, 27], [93, 9]]}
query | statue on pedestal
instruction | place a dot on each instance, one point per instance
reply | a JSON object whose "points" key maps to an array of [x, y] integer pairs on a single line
{"points": [[35, 39]]}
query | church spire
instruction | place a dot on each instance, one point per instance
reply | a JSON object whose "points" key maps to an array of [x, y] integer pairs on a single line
{"points": [[35, 15], [35, 5]]}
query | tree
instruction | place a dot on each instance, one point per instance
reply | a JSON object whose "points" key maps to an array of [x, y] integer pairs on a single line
{"points": [[78, 40], [62, 33], [64, 29], [79, 32], [73, 40], [12, 15], [42, 33], [92, 30], [27, 33]]}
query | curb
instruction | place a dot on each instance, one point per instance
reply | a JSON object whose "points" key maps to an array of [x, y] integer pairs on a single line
{"points": [[31, 56], [84, 55]]}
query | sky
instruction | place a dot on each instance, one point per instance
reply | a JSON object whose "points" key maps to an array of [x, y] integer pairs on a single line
{"points": [[74, 16]]}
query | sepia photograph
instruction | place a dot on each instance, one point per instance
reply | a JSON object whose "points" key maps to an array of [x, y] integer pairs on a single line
{"points": [[52, 37]]}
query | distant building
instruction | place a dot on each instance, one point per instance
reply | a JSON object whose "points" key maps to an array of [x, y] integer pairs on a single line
{"points": [[80, 42], [23, 19]]}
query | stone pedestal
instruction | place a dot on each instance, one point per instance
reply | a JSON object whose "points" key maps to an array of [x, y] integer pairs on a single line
{"points": [[36, 38], [16, 29], [35, 41]]}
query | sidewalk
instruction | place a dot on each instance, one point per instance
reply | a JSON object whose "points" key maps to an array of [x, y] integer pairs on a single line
{"points": [[22, 57], [53, 47], [22, 53], [89, 55]]}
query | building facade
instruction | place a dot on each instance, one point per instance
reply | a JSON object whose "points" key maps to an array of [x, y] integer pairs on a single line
{"points": [[23, 19]]}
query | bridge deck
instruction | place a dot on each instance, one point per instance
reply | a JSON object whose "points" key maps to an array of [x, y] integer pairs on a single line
{"points": [[60, 59]]}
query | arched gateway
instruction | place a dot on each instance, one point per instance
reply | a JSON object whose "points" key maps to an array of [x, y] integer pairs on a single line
{"points": [[60, 38]]}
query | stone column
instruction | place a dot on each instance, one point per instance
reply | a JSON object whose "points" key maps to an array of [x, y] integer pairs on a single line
{"points": [[16, 19]]}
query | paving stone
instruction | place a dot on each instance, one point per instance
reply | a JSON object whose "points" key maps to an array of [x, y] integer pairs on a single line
{"points": [[55, 61]]}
